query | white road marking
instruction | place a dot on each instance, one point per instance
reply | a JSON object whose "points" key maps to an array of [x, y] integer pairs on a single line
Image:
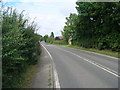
{"points": [[56, 81], [96, 64], [96, 53]]}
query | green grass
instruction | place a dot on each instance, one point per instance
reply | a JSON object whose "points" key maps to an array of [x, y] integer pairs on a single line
{"points": [[104, 52], [28, 77], [59, 44]]}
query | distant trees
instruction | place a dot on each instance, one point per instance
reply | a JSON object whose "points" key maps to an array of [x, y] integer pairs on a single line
{"points": [[52, 35], [96, 25], [49, 39], [20, 46], [45, 37]]}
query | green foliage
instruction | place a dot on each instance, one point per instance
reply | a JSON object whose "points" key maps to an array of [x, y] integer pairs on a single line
{"points": [[96, 25], [50, 40], [61, 42], [20, 46], [52, 35], [45, 38], [70, 27]]}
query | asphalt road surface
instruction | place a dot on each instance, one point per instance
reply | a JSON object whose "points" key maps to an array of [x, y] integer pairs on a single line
{"points": [[81, 69]]}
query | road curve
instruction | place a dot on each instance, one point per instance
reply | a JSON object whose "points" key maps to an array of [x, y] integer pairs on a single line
{"points": [[80, 69]]}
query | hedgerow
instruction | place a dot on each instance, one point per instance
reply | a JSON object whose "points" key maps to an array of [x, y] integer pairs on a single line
{"points": [[20, 46]]}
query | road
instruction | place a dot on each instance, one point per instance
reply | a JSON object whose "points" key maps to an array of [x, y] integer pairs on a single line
{"points": [[81, 69]]}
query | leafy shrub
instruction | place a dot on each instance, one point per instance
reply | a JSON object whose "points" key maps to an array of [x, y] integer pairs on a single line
{"points": [[20, 46], [59, 42], [50, 40]]}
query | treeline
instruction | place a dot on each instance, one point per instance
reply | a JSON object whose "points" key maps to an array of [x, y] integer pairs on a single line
{"points": [[20, 46], [97, 25], [49, 39]]}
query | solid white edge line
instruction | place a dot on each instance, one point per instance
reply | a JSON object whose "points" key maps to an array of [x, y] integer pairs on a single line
{"points": [[57, 84], [98, 65], [94, 53]]}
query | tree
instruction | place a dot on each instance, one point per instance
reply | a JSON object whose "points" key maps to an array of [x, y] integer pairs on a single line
{"points": [[70, 27], [52, 35], [45, 37], [95, 26]]}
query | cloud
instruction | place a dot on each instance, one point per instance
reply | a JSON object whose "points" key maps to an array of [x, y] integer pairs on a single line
{"points": [[50, 16]]}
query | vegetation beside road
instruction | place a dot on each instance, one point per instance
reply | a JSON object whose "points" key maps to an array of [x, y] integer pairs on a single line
{"points": [[20, 47], [104, 52], [95, 26], [60, 42], [96, 50], [27, 78]]}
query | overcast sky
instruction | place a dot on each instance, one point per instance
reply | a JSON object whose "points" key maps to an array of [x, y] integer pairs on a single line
{"points": [[50, 14]]}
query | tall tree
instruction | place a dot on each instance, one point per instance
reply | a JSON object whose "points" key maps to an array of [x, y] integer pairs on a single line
{"points": [[96, 25], [70, 27], [52, 35]]}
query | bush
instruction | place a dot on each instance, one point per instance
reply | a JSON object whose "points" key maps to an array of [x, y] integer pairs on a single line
{"points": [[20, 47], [50, 40], [60, 42]]}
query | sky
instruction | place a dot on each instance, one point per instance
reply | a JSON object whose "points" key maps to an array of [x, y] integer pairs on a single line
{"points": [[48, 14]]}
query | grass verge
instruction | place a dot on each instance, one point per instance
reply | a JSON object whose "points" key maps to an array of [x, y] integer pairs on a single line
{"points": [[28, 77], [104, 52]]}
